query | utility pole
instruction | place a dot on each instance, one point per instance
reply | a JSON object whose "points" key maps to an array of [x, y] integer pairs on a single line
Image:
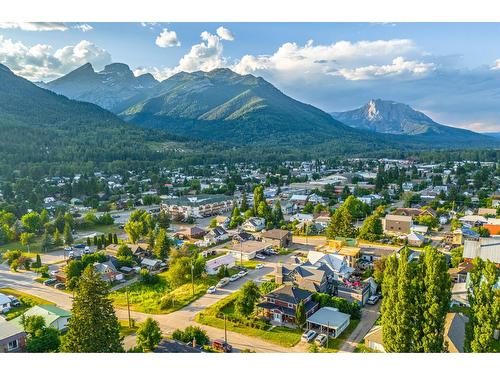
{"points": [[225, 329], [192, 276], [128, 309]]}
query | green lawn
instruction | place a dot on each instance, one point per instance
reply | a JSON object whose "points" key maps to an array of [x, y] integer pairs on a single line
{"points": [[160, 298], [125, 330], [27, 301], [254, 327]]}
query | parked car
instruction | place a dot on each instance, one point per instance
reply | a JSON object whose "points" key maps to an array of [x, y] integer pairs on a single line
{"points": [[86, 250], [234, 277], [372, 300], [223, 282], [308, 336], [79, 246], [260, 256], [60, 286], [53, 273], [222, 346], [49, 282], [211, 290], [259, 266], [14, 302], [242, 273], [5, 310], [321, 339]]}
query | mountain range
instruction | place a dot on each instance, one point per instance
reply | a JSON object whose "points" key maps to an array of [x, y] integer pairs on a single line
{"points": [[225, 106], [40, 126], [389, 117], [111, 88]]}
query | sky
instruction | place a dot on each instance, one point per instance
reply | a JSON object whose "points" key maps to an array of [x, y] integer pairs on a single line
{"points": [[450, 71]]}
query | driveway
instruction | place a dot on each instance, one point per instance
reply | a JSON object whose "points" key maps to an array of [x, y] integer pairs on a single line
{"points": [[369, 315]]}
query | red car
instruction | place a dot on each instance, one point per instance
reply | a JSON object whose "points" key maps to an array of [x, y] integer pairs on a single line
{"points": [[222, 346]]}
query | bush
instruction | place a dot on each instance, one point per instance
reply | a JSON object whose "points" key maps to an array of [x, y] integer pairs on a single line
{"points": [[147, 278], [191, 333]]}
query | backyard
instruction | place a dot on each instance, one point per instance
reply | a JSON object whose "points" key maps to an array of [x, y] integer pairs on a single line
{"points": [[251, 326]]}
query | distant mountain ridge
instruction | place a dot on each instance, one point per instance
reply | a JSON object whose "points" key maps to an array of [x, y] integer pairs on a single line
{"points": [[112, 88], [389, 117], [39, 126]]}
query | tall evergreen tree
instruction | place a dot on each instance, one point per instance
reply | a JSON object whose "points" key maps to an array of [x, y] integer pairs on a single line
{"points": [[148, 335], [68, 236], [340, 224], [162, 245], [258, 197], [300, 314], [93, 327], [484, 300], [433, 301], [244, 205], [277, 213]]}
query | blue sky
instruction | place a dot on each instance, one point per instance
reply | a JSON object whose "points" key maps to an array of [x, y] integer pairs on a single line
{"points": [[451, 71]]}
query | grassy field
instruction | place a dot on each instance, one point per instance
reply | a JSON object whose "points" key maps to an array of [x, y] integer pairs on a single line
{"points": [[159, 298], [27, 301], [282, 336]]}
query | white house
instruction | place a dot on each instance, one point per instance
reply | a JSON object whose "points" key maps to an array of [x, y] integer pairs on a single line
{"points": [[254, 224], [4, 302], [212, 266], [54, 316]]}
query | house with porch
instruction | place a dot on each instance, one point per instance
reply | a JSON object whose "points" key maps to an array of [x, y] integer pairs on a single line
{"points": [[280, 306]]}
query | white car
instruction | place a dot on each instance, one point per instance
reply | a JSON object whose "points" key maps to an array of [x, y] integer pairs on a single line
{"points": [[372, 300], [234, 277], [242, 273], [321, 339], [211, 290], [260, 256], [308, 336], [259, 266]]}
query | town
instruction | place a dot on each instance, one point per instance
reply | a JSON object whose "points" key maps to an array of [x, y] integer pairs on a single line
{"points": [[335, 255]]}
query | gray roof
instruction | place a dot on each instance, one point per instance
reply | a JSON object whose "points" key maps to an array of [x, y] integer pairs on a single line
{"points": [[8, 329], [329, 316], [289, 294], [485, 248]]}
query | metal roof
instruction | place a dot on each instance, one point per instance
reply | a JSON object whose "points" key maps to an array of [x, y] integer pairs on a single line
{"points": [[329, 317]]}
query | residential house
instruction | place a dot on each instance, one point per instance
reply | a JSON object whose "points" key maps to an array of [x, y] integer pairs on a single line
{"points": [[243, 236], [454, 331], [493, 226], [212, 266], [277, 237], [487, 248], [459, 273], [199, 206], [254, 224], [248, 249], [373, 339], [4, 302], [151, 265], [482, 211], [12, 338], [190, 233], [108, 271], [336, 265], [459, 235], [415, 239], [216, 235], [329, 320], [54, 316], [473, 220], [304, 277], [397, 224], [280, 305]]}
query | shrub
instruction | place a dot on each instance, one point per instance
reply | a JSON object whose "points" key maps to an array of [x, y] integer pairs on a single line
{"points": [[191, 333]]}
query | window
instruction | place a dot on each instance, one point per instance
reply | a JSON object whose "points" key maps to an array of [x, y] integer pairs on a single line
{"points": [[13, 345], [271, 300]]}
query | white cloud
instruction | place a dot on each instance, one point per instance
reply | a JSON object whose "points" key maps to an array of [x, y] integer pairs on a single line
{"points": [[83, 27], [496, 65], [38, 62], [167, 38], [399, 66], [316, 61], [225, 34], [34, 26]]}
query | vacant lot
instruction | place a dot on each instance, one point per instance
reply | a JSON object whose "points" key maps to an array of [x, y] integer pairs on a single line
{"points": [[160, 298]]}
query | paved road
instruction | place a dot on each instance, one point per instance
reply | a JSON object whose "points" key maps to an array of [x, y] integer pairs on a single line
{"points": [[24, 281], [369, 315]]}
